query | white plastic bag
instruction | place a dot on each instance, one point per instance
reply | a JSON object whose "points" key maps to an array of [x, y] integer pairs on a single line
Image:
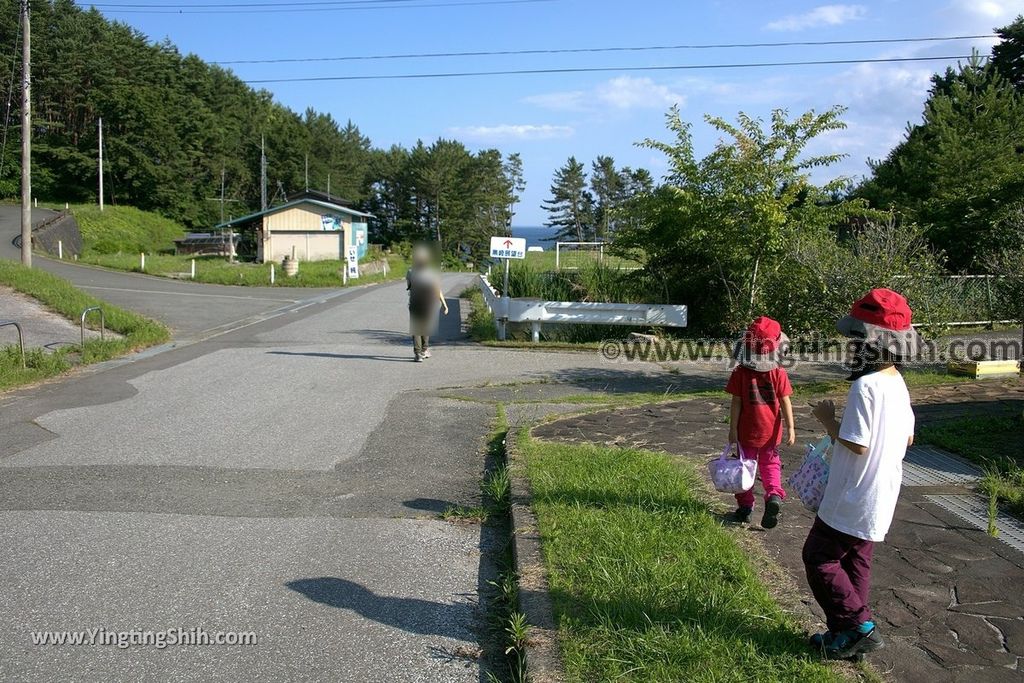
{"points": [[733, 475], [811, 478]]}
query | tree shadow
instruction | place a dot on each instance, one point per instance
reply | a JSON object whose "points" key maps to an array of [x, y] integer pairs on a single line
{"points": [[411, 615], [623, 381]]}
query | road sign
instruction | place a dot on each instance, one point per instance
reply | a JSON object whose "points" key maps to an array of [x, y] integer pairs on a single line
{"points": [[508, 247], [352, 263]]}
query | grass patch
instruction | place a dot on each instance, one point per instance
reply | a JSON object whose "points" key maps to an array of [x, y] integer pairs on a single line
{"points": [[124, 229], [61, 296], [647, 585], [481, 323], [218, 271], [994, 442]]}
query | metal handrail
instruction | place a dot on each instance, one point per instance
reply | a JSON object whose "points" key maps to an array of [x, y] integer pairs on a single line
{"points": [[103, 323], [21, 337]]}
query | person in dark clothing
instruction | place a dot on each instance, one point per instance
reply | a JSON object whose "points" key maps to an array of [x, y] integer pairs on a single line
{"points": [[426, 300]]}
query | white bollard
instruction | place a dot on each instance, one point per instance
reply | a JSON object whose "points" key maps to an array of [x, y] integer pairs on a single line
{"points": [[193, 269], [271, 273], [60, 249], [142, 261], [35, 202], [66, 206]]}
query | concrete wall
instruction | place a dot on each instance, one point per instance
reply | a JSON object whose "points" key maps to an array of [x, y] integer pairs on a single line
{"points": [[309, 246], [63, 229]]}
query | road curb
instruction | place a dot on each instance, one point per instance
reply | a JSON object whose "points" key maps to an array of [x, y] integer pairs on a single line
{"points": [[543, 653]]}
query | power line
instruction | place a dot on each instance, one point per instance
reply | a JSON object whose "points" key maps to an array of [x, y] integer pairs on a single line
{"points": [[588, 50], [600, 69], [281, 8]]}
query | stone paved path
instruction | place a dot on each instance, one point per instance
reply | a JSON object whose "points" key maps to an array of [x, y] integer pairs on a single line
{"points": [[950, 598]]}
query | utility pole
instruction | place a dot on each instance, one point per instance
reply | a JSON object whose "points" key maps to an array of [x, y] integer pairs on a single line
{"points": [[263, 174], [101, 163], [223, 174], [26, 138], [328, 187], [307, 171]]}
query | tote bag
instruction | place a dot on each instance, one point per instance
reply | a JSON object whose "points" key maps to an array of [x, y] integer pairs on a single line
{"points": [[810, 479], [733, 475]]}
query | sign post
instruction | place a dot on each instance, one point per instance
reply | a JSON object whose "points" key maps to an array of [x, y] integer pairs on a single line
{"points": [[507, 248]]}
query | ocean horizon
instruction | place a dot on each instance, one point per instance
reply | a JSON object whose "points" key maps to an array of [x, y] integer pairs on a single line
{"points": [[536, 235]]}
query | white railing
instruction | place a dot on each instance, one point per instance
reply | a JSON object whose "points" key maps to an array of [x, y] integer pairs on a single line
{"points": [[538, 312]]}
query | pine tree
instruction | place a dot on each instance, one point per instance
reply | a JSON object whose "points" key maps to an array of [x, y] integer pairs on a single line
{"points": [[571, 207]]}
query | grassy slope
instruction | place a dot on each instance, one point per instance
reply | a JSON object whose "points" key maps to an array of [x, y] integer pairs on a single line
{"points": [[647, 585], [62, 297], [124, 229]]}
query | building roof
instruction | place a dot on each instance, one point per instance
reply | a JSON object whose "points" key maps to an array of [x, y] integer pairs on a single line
{"points": [[330, 206], [320, 197]]}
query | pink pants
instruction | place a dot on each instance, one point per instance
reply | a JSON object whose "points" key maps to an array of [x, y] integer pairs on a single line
{"points": [[770, 468]]}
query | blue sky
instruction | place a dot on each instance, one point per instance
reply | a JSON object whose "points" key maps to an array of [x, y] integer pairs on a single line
{"points": [[549, 117]]}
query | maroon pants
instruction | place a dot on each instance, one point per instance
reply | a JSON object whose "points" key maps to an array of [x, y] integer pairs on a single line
{"points": [[839, 572]]}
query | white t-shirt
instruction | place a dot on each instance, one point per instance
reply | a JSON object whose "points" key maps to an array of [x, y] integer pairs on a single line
{"points": [[860, 498]]}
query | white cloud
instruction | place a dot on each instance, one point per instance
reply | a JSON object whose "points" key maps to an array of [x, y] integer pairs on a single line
{"points": [[621, 92], [627, 92], [507, 131], [825, 15], [998, 10]]}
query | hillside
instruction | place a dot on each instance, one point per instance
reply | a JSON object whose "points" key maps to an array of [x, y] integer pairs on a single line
{"points": [[175, 126], [125, 229]]}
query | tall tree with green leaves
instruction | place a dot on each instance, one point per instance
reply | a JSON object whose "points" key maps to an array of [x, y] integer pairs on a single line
{"points": [[571, 206], [516, 184], [607, 185], [717, 231]]}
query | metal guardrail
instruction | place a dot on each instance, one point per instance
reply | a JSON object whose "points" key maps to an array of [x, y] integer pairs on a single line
{"points": [[538, 312], [21, 337], [103, 323]]}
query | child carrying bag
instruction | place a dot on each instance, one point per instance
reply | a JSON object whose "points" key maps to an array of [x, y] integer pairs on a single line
{"points": [[733, 475], [810, 479]]}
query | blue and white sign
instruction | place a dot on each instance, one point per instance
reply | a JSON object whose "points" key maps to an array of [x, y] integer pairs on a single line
{"points": [[330, 222], [508, 247]]}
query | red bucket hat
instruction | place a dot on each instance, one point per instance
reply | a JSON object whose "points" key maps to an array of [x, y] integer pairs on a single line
{"points": [[762, 345], [882, 318]]}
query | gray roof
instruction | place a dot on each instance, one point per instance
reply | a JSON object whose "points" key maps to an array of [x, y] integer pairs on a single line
{"points": [[281, 207]]}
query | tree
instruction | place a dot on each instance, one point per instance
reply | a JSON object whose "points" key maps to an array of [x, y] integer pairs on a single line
{"points": [[571, 207], [958, 171], [607, 186], [516, 184], [718, 229]]}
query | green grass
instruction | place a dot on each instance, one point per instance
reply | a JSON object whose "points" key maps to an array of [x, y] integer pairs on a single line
{"points": [[62, 297], [481, 321], [124, 229], [646, 584], [992, 441], [217, 270]]}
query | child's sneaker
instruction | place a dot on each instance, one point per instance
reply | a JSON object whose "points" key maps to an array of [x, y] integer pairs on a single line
{"points": [[854, 642], [772, 510], [741, 515], [819, 641]]}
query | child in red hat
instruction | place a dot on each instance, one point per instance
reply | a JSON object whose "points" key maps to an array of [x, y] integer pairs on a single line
{"points": [[865, 473], [760, 391]]}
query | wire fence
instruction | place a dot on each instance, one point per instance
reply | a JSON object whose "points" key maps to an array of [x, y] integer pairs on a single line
{"points": [[967, 300]]}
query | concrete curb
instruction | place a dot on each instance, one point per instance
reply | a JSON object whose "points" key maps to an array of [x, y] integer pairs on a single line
{"points": [[543, 654]]}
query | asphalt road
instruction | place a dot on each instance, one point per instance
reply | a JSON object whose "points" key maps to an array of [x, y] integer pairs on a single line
{"points": [[192, 310], [284, 479]]}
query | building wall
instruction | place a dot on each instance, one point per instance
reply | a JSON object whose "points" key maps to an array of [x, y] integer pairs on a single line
{"points": [[309, 246], [306, 218]]}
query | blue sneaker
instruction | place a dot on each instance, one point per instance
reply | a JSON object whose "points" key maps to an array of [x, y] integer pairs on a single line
{"points": [[854, 642], [821, 640]]}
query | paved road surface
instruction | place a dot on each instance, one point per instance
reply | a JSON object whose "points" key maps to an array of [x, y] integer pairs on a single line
{"points": [[191, 310], [283, 478]]}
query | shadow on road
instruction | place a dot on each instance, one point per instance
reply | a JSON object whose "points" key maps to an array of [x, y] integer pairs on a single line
{"points": [[654, 379], [408, 614], [429, 504], [343, 356]]}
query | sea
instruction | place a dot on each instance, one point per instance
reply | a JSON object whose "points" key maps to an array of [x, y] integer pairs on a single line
{"points": [[536, 235]]}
